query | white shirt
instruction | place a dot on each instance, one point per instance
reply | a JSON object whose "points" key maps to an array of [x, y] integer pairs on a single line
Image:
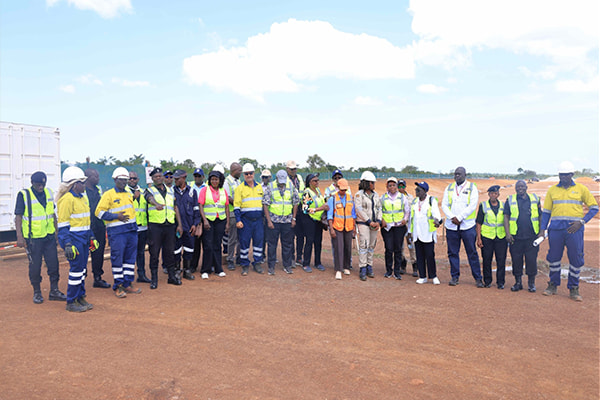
{"points": [[419, 222], [462, 205]]}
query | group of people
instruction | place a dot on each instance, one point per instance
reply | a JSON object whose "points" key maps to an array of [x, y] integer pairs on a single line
{"points": [[179, 223]]}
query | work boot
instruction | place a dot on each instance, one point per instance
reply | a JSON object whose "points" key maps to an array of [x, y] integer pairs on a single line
{"points": [[76, 307], [574, 294], [165, 270], [258, 268], [370, 271], [550, 290], [518, 284], [84, 303], [362, 274], [56, 295], [415, 270], [173, 278], [37, 297], [100, 283], [187, 271], [153, 278], [142, 278], [244, 270], [132, 289], [531, 284]]}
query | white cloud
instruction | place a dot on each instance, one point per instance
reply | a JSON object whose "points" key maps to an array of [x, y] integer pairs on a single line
{"points": [[367, 101], [577, 85], [296, 51], [68, 89], [128, 83], [89, 79], [431, 89], [105, 8]]}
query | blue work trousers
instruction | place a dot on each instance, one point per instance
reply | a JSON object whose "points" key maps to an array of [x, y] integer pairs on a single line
{"points": [[558, 239], [468, 238], [78, 270], [253, 230], [184, 244], [123, 252]]}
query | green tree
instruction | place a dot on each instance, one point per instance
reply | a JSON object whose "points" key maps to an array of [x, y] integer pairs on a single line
{"points": [[315, 162], [411, 169]]}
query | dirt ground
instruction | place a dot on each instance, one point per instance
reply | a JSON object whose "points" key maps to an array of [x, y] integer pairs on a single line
{"points": [[305, 336]]}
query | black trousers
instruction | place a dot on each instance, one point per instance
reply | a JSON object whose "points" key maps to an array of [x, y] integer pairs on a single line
{"points": [[140, 258], [284, 233], [313, 232], [98, 255], [300, 234], [426, 256], [491, 247], [161, 238], [393, 241], [342, 249], [46, 248], [211, 241], [523, 249]]}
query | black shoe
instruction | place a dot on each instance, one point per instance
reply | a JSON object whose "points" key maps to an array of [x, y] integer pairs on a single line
{"points": [[531, 288], [370, 272], [258, 269], [402, 270], [165, 270], [38, 298], [453, 282], [516, 287], [188, 275], [231, 267], [76, 307], [153, 285], [387, 275], [363, 274], [57, 295], [244, 271], [415, 274], [487, 285], [501, 286], [174, 281], [479, 284], [142, 278], [398, 277], [101, 283]]}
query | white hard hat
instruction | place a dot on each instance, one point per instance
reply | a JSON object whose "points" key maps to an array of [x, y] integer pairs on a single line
{"points": [[219, 168], [248, 168], [265, 172], [73, 174], [120, 173], [368, 176], [566, 167]]}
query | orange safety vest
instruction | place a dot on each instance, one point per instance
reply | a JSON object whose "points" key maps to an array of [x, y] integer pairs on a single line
{"points": [[342, 216]]}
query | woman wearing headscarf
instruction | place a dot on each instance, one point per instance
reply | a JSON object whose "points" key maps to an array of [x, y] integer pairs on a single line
{"points": [[313, 206], [368, 219]]}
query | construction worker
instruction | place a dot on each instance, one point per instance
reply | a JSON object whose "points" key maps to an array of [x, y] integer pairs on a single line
{"points": [[163, 223], [93, 192], [117, 210], [214, 211], [563, 209], [313, 207], [424, 220], [231, 244], [341, 217], [197, 186], [248, 211], [330, 191], [491, 237], [368, 219], [141, 219], [186, 201], [36, 228], [395, 211], [460, 202], [522, 226], [74, 235], [409, 244], [291, 168], [280, 206]]}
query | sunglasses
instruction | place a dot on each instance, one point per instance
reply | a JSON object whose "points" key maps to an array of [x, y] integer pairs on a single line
{"points": [[248, 173]]}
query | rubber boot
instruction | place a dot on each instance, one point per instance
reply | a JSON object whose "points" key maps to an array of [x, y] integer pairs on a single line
{"points": [[415, 270], [370, 271], [187, 271], [363, 273], [531, 283], [518, 284], [173, 278], [154, 278], [142, 278]]}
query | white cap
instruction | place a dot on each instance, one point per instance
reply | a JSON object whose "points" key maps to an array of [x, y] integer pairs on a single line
{"points": [[248, 168], [368, 176], [291, 164], [74, 174], [265, 172], [219, 168], [120, 173], [566, 167]]}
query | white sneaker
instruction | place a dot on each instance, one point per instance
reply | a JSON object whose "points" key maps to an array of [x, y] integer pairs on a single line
{"points": [[421, 281], [222, 274], [346, 272], [338, 275], [204, 276], [436, 281]]}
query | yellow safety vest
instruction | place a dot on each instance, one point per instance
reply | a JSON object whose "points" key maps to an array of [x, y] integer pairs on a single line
{"points": [[393, 211], [471, 188], [74, 212], [168, 212], [493, 224], [211, 209], [430, 218], [233, 183], [281, 205], [141, 214], [318, 201], [42, 219], [514, 213]]}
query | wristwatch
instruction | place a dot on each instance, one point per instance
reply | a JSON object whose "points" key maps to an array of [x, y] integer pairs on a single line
{"points": [[582, 221]]}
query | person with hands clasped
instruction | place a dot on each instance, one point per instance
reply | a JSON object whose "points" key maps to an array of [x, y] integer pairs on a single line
{"points": [[186, 201], [368, 218], [395, 213], [341, 218], [313, 207]]}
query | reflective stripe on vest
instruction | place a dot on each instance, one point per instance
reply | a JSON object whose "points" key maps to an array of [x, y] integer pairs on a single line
{"points": [[514, 213], [42, 219], [493, 224], [233, 183], [342, 215], [318, 201], [211, 209], [281, 205], [168, 212], [414, 210], [141, 215], [392, 211], [451, 191]]}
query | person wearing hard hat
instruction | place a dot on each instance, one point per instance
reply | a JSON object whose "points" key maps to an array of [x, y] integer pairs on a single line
{"points": [[395, 210], [35, 222], [74, 235], [563, 210], [248, 211], [186, 201], [491, 237], [409, 244], [116, 209], [341, 217], [141, 219], [197, 187], [522, 226], [368, 219], [231, 244], [93, 192], [280, 206], [459, 204], [291, 168]]}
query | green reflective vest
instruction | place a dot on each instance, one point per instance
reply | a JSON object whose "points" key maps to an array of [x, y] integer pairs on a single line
{"points": [[392, 211], [141, 214], [42, 219], [493, 224], [318, 201], [514, 213], [168, 212], [414, 209], [281, 205], [211, 209], [233, 183], [471, 188]]}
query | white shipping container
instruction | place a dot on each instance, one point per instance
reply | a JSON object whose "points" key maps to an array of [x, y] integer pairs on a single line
{"points": [[25, 149]]}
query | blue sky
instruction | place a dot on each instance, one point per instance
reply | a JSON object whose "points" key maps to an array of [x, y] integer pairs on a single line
{"points": [[490, 85]]}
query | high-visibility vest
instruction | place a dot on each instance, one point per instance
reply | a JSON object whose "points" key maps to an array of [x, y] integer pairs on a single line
{"points": [[392, 211], [211, 209], [471, 188], [414, 208], [514, 213], [233, 183], [74, 212], [168, 212], [115, 203], [318, 201], [301, 186], [342, 215], [141, 214], [493, 224], [281, 205], [42, 219]]}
